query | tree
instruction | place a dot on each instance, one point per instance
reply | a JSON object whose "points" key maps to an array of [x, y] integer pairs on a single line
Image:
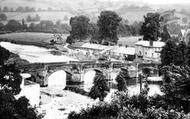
{"points": [[3, 17], [5, 9], [187, 53], [2, 27], [20, 9], [146, 71], [151, 27], [168, 53], [177, 85], [165, 34], [108, 23], [29, 18], [10, 80], [180, 54], [24, 26], [79, 27], [45, 26], [37, 18], [100, 87], [93, 32], [4, 54], [122, 79], [32, 27], [185, 20], [13, 25]]}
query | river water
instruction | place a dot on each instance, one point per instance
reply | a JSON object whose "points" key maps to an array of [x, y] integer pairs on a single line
{"points": [[35, 54]]}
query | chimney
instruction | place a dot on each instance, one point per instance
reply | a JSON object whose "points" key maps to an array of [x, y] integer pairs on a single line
{"points": [[151, 43]]}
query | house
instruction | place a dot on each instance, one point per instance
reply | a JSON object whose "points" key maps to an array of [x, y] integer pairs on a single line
{"points": [[149, 50], [112, 51], [127, 52]]}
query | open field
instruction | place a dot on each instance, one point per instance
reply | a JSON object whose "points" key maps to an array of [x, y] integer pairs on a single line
{"points": [[30, 38]]}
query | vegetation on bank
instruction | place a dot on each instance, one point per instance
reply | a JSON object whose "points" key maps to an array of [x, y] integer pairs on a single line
{"points": [[10, 81], [29, 38]]}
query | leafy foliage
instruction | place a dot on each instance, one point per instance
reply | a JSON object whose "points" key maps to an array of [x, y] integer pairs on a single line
{"points": [[187, 53], [177, 85], [124, 107], [10, 80], [13, 25], [168, 53], [151, 27], [79, 27], [174, 53], [108, 23], [122, 79], [165, 34], [100, 87]]}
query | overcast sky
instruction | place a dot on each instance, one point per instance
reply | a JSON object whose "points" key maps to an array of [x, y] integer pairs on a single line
{"points": [[159, 1]]}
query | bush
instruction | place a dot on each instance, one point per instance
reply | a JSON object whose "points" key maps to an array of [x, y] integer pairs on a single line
{"points": [[100, 111], [100, 87], [136, 107]]}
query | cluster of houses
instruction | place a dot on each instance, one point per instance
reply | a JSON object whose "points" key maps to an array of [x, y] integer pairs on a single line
{"points": [[142, 50]]}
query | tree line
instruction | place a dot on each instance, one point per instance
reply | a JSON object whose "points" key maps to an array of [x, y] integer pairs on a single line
{"points": [[18, 9], [46, 26], [106, 31]]}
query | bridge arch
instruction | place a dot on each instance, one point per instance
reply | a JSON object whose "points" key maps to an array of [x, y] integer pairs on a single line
{"points": [[57, 79], [88, 78]]}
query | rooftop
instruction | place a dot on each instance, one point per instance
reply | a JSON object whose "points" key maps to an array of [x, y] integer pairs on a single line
{"points": [[147, 43]]}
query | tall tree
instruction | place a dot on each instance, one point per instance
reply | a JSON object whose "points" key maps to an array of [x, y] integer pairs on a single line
{"points": [[13, 25], [79, 27], [165, 34], [100, 87], [168, 53], [151, 27], [3, 17], [122, 79], [188, 54], [108, 23], [180, 54]]}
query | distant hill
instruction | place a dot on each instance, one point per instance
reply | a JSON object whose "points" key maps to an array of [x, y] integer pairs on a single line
{"points": [[69, 8]]}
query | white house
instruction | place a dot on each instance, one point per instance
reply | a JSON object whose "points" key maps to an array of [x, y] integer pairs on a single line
{"points": [[149, 51]]}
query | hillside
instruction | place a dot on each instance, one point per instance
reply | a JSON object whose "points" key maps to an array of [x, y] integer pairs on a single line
{"points": [[64, 8]]}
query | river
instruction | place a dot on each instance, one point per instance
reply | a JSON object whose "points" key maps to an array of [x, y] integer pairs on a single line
{"points": [[35, 54]]}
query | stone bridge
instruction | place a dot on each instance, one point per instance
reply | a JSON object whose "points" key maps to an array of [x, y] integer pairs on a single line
{"points": [[75, 71]]}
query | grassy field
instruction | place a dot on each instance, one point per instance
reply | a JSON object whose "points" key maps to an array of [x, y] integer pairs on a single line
{"points": [[30, 38], [43, 39], [129, 41]]}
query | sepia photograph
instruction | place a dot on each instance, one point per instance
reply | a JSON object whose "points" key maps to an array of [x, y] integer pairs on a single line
{"points": [[94, 59]]}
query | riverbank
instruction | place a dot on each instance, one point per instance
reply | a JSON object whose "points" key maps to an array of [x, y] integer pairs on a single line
{"points": [[35, 54], [30, 38]]}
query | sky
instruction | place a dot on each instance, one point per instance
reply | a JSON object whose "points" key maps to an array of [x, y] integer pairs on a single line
{"points": [[158, 1], [166, 1]]}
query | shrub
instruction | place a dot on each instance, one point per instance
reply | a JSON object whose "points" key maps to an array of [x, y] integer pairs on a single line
{"points": [[100, 87]]}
